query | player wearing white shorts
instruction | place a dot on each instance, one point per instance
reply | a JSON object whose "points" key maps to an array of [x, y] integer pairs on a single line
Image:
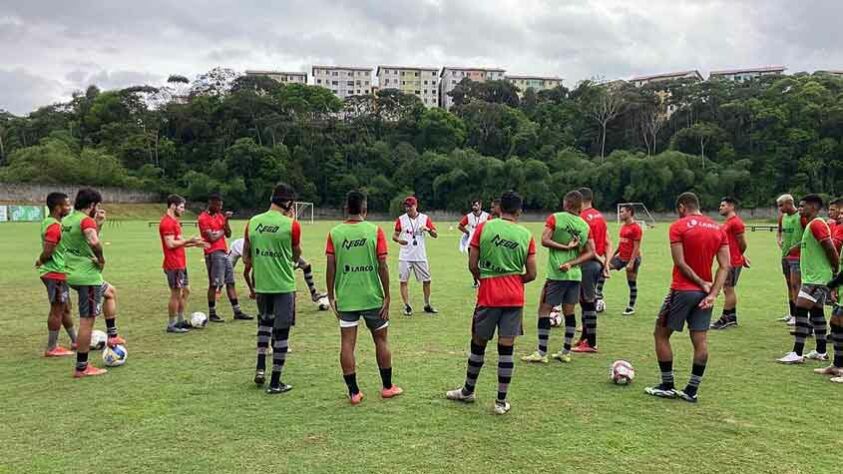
{"points": [[411, 230]]}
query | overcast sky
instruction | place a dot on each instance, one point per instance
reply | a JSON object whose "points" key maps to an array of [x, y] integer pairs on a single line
{"points": [[48, 49]]}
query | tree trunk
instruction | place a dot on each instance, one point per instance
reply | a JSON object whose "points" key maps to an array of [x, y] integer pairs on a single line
{"points": [[702, 151], [603, 142]]}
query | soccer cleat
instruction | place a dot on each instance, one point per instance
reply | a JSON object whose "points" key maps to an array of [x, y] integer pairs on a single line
{"points": [[241, 316], [390, 392], [73, 346], [175, 328], [814, 355], [260, 377], [684, 396], [791, 358], [90, 371], [629, 311], [584, 348], [502, 408], [724, 322], [830, 370], [785, 318], [430, 309], [318, 296], [791, 321], [535, 357], [458, 395], [356, 399], [183, 324], [600, 305], [58, 351], [215, 318], [280, 388], [563, 356], [837, 379], [115, 341], [476, 285], [810, 334], [408, 310], [661, 391]]}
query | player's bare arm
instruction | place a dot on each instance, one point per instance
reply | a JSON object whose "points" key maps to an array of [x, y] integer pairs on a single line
{"points": [[430, 231], [227, 227], [585, 255], [93, 240], [636, 250], [296, 252], [723, 266], [474, 262], [330, 278], [548, 242], [741, 238], [396, 237], [831, 253], [383, 274], [46, 253], [531, 269], [247, 275], [678, 255], [462, 228]]}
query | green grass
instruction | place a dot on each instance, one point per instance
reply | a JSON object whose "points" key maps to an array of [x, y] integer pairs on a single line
{"points": [[186, 403]]}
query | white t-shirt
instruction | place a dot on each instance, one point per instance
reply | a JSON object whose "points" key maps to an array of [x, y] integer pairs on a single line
{"points": [[471, 221], [415, 250], [235, 251]]}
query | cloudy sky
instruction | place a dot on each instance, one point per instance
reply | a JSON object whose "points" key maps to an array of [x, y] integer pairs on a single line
{"points": [[49, 48]]}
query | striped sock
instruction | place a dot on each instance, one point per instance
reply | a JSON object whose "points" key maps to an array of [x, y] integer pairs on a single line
{"points": [[235, 306], [264, 336], [212, 308], [697, 372], [570, 330], [279, 355], [111, 327], [666, 368], [475, 363], [820, 328], [801, 330], [81, 361], [633, 292], [589, 318], [71, 333], [837, 339], [308, 278], [598, 290], [544, 334], [792, 307], [506, 367]]}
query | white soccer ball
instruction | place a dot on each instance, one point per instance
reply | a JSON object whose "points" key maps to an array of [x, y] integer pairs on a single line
{"points": [[114, 356], [600, 306], [556, 316], [198, 320], [98, 340], [323, 304], [621, 372]]}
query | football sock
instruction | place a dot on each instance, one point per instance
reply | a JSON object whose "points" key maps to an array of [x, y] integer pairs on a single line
{"points": [[599, 288], [171, 320], [52, 339], [792, 306], [179, 317], [633, 292], [212, 308], [820, 328], [71, 333], [264, 336], [506, 366], [279, 354], [837, 339], [81, 361], [308, 278], [589, 318], [111, 327], [801, 330], [235, 305], [386, 377], [475, 363], [570, 330], [544, 334], [697, 372], [351, 383], [666, 368]]}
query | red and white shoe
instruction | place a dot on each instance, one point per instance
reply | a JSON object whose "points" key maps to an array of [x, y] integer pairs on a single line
{"points": [[390, 392], [58, 351], [356, 399], [90, 371], [73, 346], [116, 341], [584, 348]]}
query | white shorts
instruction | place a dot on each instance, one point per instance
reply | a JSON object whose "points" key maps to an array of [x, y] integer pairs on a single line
{"points": [[419, 269]]}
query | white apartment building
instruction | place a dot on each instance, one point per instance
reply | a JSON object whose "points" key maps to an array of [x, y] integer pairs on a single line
{"points": [[283, 77], [639, 81], [747, 74], [537, 83], [422, 82], [449, 77], [343, 81]]}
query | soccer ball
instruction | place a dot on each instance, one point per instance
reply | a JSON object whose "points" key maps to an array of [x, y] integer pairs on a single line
{"points": [[323, 303], [98, 340], [198, 320], [556, 316], [621, 372], [114, 356], [600, 306]]}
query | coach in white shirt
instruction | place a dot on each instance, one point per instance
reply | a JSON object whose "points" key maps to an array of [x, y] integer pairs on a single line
{"points": [[411, 230], [469, 224]]}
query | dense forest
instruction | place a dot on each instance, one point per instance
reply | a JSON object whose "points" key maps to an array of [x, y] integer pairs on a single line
{"points": [[241, 134]]}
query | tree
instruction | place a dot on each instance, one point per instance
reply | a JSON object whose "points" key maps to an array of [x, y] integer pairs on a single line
{"points": [[601, 103], [702, 134]]}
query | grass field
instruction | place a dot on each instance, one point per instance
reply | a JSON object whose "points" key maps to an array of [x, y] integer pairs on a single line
{"points": [[186, 403]]}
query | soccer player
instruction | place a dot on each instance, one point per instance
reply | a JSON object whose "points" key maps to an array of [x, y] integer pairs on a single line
{"points": [[470, 222], [84, 262], [734, 228], [593, 271], [496, 209], [628, 254], [789, 238], [175, 262], [503, 258], [214, 228], [272, 243], [411, 230], [695, 242], [357, 276], [819, 262], [566, 237], [50, 265], [836, 326]]}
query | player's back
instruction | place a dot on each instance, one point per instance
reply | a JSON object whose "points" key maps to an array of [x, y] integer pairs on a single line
{"points": [[700, 238]]}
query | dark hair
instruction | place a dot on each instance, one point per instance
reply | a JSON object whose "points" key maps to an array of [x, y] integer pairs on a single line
{"points": [[175, 199], [730, 200], [215, 197], [86, 197], [572, 199], [283, 195], [587, 194], [55, 199], [476, 201], [689, 200], [496, 202], [511, 202], [836, 202], [355, 201], [814, 199], [629, 207]]}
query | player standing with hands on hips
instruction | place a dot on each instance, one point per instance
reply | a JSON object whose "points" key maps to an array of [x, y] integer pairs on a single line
{"points": [[411, 230]]}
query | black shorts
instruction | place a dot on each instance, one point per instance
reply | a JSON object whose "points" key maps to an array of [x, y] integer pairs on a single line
{"points": [[733, 277], [618, 264], [506, 320], [817, 294], [177, 279], [90, 299], [372, 318], [680, 307], [220, 270], [592, 271], [57, 291], [557, 292], [277, 307]]}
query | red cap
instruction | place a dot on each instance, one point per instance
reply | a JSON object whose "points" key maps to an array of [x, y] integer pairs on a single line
{"points": [[411, 201]]}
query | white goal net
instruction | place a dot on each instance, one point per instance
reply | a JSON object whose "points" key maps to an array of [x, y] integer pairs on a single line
{"points": [[304, 211], [642, 214]]}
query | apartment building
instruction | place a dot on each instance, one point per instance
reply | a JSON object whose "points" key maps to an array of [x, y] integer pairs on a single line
{"points": [[423, 82], [831, 72], [639, 81], [747, 74], [449, 77], [343, 81], [283, 77], [537, 83]]}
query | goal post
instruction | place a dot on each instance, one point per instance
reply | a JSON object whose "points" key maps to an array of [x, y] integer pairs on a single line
{"points": [[304, 211], [642, 214]]}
